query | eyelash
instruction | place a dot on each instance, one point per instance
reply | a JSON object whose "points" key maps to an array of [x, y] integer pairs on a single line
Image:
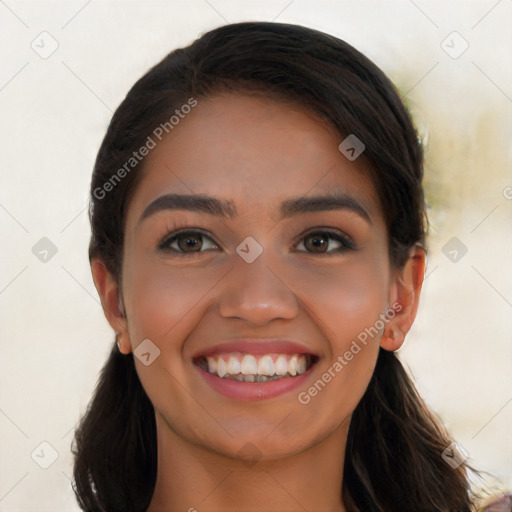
{"points": [[344, 240]]}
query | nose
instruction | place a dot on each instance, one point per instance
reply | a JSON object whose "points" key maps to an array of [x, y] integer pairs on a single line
{"points": [[257, 294]]}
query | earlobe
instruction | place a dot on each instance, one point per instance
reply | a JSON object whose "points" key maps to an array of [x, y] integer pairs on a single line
{"points": [[392, 339], [404, 295], [112, 303]]}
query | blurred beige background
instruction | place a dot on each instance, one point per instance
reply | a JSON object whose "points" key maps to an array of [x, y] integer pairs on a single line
{"points": [[66, 67]]}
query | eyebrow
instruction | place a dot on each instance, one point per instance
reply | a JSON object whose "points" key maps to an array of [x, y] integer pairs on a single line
{"points": [[227, 209], [293, 207], [218, 207]]}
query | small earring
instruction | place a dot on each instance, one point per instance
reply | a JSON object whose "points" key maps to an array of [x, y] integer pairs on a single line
{"points": [[118, 342]]}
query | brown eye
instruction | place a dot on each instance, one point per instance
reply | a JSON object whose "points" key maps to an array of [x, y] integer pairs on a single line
{"points": [[316, 242], [188, 242], [322, 242]]}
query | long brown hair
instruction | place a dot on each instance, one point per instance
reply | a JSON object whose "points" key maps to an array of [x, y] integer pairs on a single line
{"points": [[394, 450]]}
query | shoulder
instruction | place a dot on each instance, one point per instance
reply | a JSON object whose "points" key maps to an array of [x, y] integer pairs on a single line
{"points": [[502, 504]]}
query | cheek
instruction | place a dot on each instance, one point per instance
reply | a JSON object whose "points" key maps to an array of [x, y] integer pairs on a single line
{"points": [[345, 299], [347, 304], [161, 298], [165, 304]]}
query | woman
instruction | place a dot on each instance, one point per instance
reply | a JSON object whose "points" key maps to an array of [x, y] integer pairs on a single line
{"points": [[258, 229]]}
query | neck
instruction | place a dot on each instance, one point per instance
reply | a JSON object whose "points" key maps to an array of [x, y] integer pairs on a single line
{"points": [[194, 479]]}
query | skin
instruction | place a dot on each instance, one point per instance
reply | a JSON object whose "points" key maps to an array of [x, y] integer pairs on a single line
{"points": [[256, 153]]}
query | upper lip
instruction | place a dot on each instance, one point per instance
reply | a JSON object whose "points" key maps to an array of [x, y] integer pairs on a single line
{"points": [[257, 346]]}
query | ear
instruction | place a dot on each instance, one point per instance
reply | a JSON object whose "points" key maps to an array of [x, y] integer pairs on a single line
{"points": [[404, 296], [111, 301]]}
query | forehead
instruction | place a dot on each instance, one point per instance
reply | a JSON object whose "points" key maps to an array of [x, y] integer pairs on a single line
{"points": [[254, 151]]}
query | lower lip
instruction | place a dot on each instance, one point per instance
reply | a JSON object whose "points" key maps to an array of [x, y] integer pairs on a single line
{"points": [[253, 390]]}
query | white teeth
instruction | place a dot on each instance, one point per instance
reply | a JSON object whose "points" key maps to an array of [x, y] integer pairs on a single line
{"points": [[266, 366], [249, 365], [212, 364], [292, 366], [233, 366], [256, 369], [281, 366], [221, 367]]}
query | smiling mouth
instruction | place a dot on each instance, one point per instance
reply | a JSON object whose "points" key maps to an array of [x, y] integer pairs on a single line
{"points": [[259, 368]]}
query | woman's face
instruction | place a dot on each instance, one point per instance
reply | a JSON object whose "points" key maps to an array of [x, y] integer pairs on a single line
{"points": [[254, 246]]}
